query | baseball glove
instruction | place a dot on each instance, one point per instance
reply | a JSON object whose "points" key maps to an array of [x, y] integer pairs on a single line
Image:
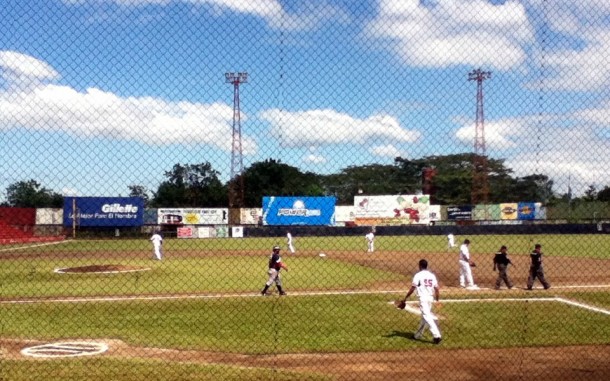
{"points": [[400, 304], [472, 264]]}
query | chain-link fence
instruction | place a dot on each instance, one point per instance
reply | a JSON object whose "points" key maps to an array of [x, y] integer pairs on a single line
{"points": [[219, 190]]}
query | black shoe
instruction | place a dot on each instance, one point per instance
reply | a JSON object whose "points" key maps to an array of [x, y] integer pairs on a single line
{"points": [[547, 287], [437, 340], [529, 289], [282, 293], [263, 293]]}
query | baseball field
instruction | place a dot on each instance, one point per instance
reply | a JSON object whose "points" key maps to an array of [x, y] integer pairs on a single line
{"points": [[198, 314]]}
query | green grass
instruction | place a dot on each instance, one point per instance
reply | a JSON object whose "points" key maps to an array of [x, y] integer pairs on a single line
{"points": [[570, 245], [251, 324], [329, 323], [35, 277]]}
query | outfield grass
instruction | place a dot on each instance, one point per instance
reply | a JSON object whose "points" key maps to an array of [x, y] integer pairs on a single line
{"points": [[569, 245]]}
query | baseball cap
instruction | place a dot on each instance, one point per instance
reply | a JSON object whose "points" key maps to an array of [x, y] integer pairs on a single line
{"points": [[503, 247], [538, 246]]}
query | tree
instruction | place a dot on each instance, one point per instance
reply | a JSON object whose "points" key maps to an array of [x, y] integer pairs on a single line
{"points": [[604, 194], [590, 193], [537, 188], [139, 191], [191, 185], [30, 194], [273, 178], [373, 179]]}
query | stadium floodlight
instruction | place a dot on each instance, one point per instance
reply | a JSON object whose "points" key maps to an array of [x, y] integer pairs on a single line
{"points": [[241, 77]]}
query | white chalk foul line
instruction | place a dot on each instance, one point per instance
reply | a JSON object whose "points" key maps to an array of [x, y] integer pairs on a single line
{"points": [[582, 305], [31, 246]]}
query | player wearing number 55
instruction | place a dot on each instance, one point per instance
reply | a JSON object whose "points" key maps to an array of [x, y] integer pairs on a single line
{"points": [[426, 285]]}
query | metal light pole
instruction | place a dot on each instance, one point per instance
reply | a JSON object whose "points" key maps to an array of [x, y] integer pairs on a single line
{"points": [[480, 183], [236, 185]]}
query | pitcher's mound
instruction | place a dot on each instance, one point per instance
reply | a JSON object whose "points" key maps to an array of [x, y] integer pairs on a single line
{"points": [[100, 269]]}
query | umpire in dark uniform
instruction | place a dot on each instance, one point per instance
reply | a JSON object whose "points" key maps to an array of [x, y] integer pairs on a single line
{"points": [[501, 262], [536, 269]]}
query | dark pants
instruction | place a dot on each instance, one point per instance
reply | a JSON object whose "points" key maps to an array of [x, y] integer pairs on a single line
{"points": [[503, 276], [537, 272]]}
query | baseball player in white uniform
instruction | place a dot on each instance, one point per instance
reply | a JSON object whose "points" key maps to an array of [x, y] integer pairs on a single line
{"points": [[450, 241], [289, 243], [426, 285], [157, 242], [466, 279], [370, 241]]}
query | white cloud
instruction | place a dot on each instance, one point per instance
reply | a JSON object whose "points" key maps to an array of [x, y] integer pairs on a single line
{"points": [[572, 154], [16, 66], [97, 113], [457, 32], [581, 69], [498, 134], [386, 151], [322, 127], [314, 158], [308, 16], [576, 59]]}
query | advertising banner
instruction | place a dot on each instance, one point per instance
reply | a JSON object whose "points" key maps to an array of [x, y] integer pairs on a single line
{"points": [[526, 211], [391, 210], [509, 211], [299, 210], [185, 232], [540, 212], [250, 216], [459, 212], [193, 216], [435, 213], [103, 211], [344, 213], [486, 212]]}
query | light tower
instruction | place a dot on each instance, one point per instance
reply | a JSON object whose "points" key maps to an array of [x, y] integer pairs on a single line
{"points": [[236, 185], [480, 183]]}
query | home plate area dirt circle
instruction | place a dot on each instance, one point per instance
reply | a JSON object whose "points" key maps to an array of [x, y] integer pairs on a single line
{"points": [[65, 349], [100, 269]]}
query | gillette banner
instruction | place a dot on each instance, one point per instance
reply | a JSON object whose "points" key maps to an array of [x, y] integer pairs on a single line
{"points": [[103, 211], [299, 210]]}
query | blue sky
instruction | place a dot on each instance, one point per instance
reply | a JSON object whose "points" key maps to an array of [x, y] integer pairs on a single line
{"points": [[96, 95]]}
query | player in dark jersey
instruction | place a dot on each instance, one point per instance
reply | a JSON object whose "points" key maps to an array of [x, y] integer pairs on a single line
{"points": [[275, 265]]}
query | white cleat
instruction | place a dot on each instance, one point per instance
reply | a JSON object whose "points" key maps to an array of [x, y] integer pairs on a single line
{"points": [[473, 287]]}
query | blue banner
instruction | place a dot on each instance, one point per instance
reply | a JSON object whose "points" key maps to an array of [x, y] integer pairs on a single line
{"points": [[299, 210], [526, 211], [104, 211]]}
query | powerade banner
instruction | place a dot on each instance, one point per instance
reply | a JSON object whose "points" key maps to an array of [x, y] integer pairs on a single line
{"points": [[104, 211], [299, 210], [459, 213]]}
